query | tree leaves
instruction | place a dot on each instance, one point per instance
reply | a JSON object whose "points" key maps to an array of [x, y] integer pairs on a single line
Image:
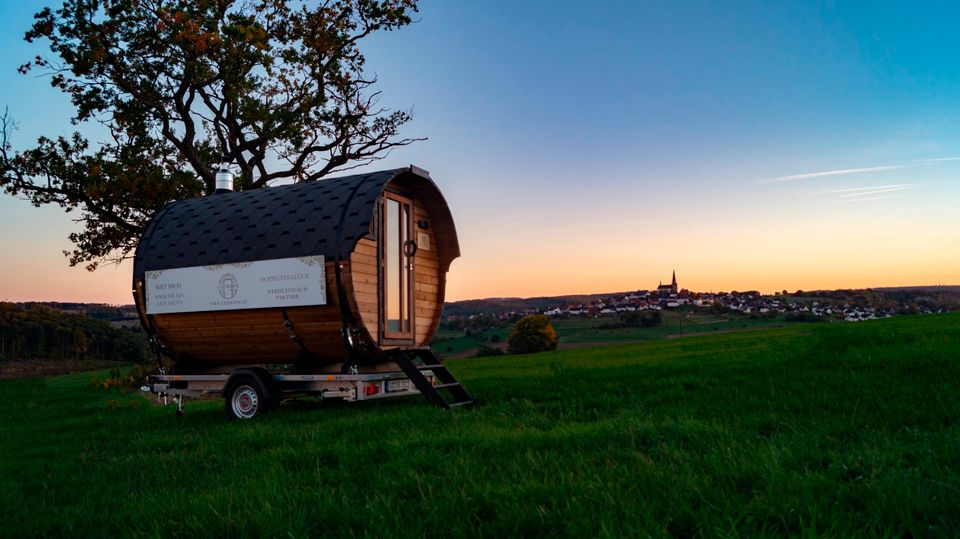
{"points": [[278, 90]]}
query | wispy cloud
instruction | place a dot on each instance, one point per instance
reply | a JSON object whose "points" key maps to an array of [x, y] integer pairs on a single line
{"points": [[869, 188], [872, 192], [938, 160], [810, 175], [862, 170], [875, 198]]}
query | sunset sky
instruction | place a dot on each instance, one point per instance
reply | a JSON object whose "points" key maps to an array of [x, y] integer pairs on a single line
{"points": [[592, 147]]}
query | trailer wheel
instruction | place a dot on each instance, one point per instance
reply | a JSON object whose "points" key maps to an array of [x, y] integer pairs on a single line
{"points": [[246, 397]]}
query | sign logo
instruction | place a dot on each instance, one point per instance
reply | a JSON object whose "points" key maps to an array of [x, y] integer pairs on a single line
{"points": [[228, 286]]}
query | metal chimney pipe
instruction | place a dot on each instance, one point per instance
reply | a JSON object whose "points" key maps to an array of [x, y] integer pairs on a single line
{"points": [[224, 181]]}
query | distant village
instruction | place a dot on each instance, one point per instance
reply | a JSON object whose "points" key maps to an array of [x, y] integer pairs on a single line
{"points": [[846, 305]]}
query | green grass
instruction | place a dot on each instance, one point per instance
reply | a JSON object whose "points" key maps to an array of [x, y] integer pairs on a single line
{"points": [[455, 342], [587, 330], [577, 330], [821, 429]]}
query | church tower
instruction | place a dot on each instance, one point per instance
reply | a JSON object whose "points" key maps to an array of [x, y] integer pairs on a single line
{"points": [[673, 285]]}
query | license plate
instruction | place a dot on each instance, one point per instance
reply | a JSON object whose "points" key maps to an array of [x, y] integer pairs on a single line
{"points": [[394, 386]]}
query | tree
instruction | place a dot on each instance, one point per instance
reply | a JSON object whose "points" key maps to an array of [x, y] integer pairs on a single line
{"points": [[80, 344], [630, 319], [276, 89], [533, 333], [652, 319]]}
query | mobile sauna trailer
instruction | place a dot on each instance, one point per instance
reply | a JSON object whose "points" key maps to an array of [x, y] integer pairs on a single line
{"points": [[332, 287]]}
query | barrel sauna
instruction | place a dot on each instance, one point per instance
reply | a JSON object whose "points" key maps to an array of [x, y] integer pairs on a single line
{"points": [[321, 275]]}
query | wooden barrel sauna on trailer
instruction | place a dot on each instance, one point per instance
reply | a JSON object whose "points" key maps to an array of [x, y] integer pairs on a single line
{"points": [[333, 287]]}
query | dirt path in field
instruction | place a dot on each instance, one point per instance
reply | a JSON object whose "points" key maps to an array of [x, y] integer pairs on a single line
{"points": [[11, 369]]}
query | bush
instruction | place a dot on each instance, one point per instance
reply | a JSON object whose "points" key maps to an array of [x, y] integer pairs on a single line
{"points": [[651, 319], [630, 319], [719, 308], [134, 377], [484, 351], [803, 317], [533, 333]]}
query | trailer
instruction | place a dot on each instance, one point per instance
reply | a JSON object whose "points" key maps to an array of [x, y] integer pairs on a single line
{"points": [[331, 288], [248, 392]]}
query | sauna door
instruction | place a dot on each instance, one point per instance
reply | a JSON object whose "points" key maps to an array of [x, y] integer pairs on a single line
{"points": [[397, 252]]}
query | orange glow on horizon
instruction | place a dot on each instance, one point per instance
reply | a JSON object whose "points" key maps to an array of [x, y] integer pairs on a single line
{"points": [[531, 261], [471, 280]]}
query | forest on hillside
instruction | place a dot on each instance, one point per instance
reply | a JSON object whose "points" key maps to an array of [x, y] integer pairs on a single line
{"points": [[37, 332]]}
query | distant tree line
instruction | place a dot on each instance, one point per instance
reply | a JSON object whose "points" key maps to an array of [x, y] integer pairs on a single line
{"points": [[635, 319], [802, 316], [96, 311], [476, 324], [43, 333]]}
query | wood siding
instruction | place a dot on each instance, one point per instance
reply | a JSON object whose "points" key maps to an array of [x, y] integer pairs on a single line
{"points": [[426, 278], [366, 284]]}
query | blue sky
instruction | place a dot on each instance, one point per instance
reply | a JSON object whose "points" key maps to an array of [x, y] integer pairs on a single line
{"points": [[594, 147]]}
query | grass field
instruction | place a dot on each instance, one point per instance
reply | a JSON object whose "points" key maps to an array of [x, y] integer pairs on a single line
{"points": [[821, 429], [575, 330]]}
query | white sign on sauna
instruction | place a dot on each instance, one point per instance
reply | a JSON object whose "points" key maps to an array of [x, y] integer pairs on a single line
{"points": [[283, 282]]}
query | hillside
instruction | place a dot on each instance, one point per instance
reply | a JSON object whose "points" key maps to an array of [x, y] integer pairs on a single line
{"points": [[37, 331], [832, 429]]}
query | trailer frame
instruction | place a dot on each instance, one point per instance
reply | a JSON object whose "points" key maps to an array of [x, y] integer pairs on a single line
{"points": [[281, 386]]}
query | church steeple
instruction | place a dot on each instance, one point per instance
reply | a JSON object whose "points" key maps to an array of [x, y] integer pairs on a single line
{"points": [[665, 289]]}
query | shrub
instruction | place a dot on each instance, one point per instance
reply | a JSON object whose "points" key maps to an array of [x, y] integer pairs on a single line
{"points": [[631, 319], [803, 317], [533, 333], [651, 319], [134, 377], [484, 351]]}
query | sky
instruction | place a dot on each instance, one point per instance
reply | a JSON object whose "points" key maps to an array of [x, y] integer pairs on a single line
{"points": [[589, 147]]}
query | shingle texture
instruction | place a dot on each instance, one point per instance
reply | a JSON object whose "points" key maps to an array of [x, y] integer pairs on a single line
{"points": [[262, 224]]}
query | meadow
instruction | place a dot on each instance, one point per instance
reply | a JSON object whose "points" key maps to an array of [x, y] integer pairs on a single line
{"points": [[820, 429], [578, 331]]}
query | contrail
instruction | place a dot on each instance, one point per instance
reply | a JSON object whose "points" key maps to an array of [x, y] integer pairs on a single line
{"points": [[842, 171], [821, 174], [854, 190]]}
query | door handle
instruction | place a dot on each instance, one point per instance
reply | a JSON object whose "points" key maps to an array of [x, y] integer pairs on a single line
{"points": [[409, 248]]}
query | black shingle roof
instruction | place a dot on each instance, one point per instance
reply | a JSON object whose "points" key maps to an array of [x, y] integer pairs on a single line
{"points": [[262, 224]]}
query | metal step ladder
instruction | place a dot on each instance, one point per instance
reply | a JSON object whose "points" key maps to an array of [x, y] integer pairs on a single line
{"points": [[406, 359]]}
